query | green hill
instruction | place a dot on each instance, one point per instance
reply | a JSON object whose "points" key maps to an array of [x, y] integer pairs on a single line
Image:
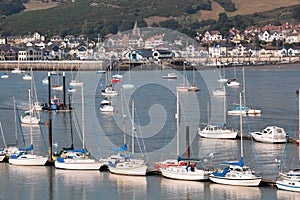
{"points": [[110, 16]]}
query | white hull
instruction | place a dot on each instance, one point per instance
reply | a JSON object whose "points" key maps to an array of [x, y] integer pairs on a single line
{"points": [[4, 76], [233, 84], [30, 120], [27, 78], [78, 164], [2, 158], [288, 185], [29, 161], [17, 71], [272, 140], [182, 89], [57, 88], [218, 135], [106, 108], [232, 181], [180, 173], [249, 112], [76, 83], [135, 171]]}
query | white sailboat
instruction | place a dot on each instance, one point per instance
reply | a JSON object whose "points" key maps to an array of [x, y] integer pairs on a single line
{"points": [[222, 78], [218, 131], [105, 105], [236, 173], [245, 110], [26, 157], [233, 82], [78, 159], [2, 151], [291, 180], [182, 172], [127, 165], [29, 116]]}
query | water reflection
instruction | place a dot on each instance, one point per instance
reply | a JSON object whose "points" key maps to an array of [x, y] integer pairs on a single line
{"points": [[215, 151], [25, 182], [176, 189], [268, 158], [281, 194], [218, 191], [129, 187]]}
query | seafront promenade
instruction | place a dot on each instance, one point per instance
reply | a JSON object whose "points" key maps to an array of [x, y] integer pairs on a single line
{"points": [[87, 65]]}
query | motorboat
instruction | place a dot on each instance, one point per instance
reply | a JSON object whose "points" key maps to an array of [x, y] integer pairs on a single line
{"points": [[109, 92], [233, 83], [27, 77], [217, 132], [271, 134], [170, 76], [244, 110], [289, 181], [17, 71], [4, 75]]}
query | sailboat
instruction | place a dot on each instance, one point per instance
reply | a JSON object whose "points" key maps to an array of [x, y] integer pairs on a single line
{"points": [[28, 117], [127, 165], [105, 105], [236, 173], [222, 78], [25, 156], [189, 172], [4, 75], [28, 76], [183, 87], [291, 180], [233, 82], [2, 151], [218, 131], [109, 91], [75, 82], [244, 108], [181, 169], [78, 159]]}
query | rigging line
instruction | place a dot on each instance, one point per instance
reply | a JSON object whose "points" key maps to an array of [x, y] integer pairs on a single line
{"points": [[142, 138], [166, 137], [253, 146], [20, 126], [41, 131], [288, 134], [94, 131], [77, 127]]}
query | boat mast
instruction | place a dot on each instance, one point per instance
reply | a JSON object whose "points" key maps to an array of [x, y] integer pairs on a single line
{"points": [[244, 89], [241, 126], [16, 129], [177, 122], [132, 128], [30, 114], [4, 142], [82, 116]]}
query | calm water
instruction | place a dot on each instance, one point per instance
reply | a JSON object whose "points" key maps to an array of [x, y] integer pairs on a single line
{"points": [[271, 89]]}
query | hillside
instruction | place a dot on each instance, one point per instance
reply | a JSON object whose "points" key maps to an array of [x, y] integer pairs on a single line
{"points": [[109, 16]]}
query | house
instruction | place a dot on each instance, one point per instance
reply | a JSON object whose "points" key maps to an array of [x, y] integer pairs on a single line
{"points": [[8, 53], [162, 54], [212, 36]]}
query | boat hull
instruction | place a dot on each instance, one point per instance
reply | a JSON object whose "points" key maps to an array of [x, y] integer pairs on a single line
{"points": [[35, 161], [74, 164], [233, 181], [219, 135], [27, 120], [198, 175], [134, 171], [288, 185], [268, 140]]}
